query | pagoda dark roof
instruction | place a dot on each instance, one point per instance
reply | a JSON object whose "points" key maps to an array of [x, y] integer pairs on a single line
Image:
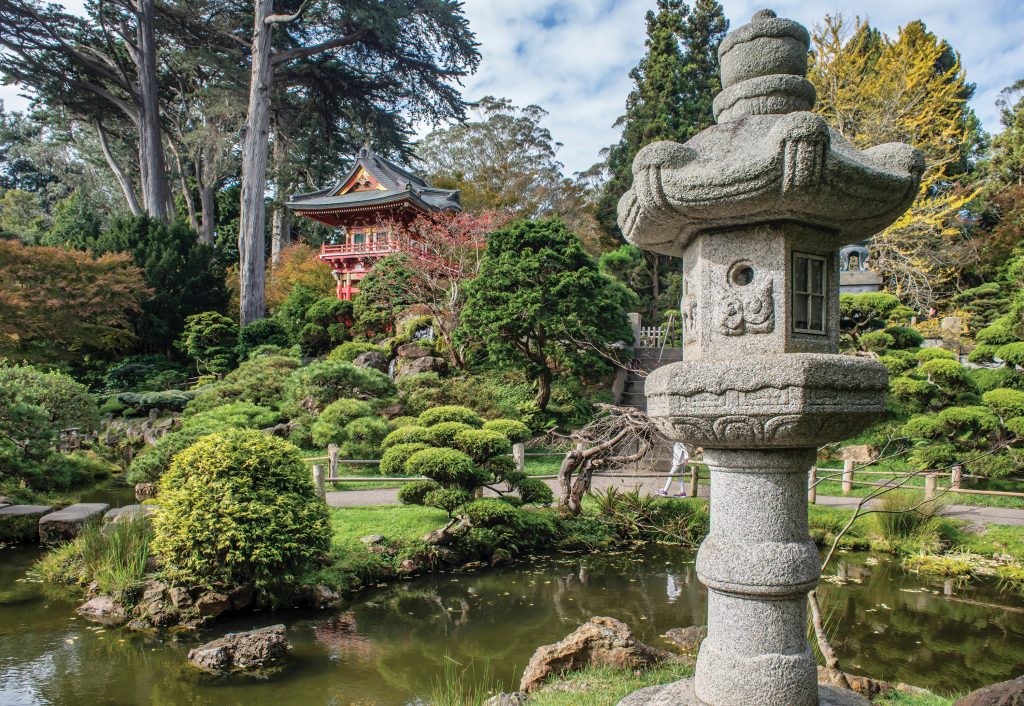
{"points": [[399, 184]]}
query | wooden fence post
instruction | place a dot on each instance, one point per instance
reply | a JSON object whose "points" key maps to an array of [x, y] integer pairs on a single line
{"points": [[694, 485], [956, 477], [812, 486], [519, 456], [847, 476], [332, 460], [319, 480], [929, 486]]}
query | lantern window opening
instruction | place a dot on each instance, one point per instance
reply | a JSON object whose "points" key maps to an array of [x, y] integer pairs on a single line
{"points": [[809, 273]]}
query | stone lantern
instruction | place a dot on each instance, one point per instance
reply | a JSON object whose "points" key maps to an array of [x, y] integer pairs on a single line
{"points": [[758, 207]]}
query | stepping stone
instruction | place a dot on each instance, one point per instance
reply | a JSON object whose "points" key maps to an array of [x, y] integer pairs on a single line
{"points": [[20, 523], [65, 524], [119, 514]]}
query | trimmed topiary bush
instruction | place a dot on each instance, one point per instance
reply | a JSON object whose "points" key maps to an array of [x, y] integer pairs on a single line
{"points": [[987, 379], [350, 350], [329, 427], [363, 437], [240, 507], [447, 499], [489, 512], [876, 341], [1006, 403], [260, 381], [946, 373], [414, 493], [450, 413], [324, 381], [446, 466], [914, 394], [481, 445], [1011, 354], [515, 432], [262, 332], [392, 463], [1015, 426], [443, 434], [533, 491], [407, 435], [904, 338], [926, 354], [399, 422]]}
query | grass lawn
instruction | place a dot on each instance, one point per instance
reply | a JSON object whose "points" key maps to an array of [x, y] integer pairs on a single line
{"points": [[543, 465], [400, 523]]}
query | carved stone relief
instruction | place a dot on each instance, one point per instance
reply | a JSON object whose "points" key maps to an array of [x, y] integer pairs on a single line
{"points": [[746, 304]]}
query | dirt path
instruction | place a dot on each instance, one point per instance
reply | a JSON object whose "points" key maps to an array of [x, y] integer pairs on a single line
{"points": [[969, 513]]}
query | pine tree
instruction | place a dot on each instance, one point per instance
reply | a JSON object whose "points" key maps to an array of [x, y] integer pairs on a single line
{"points": [[1007, 164]]}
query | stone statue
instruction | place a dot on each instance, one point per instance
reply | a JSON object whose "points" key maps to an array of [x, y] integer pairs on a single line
{"points": [[759, 205]]}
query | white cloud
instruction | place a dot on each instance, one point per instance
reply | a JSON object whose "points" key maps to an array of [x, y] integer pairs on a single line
{"points": [[573, 57]]}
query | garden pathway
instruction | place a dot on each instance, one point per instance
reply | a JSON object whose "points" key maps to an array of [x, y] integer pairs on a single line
{"points": [[968, 513]]}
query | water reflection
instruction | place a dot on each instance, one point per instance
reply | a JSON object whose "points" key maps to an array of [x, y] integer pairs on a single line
{"points": [[388, 647]]}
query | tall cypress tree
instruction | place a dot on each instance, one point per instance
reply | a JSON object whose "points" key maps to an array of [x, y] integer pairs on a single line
{"points": [[674, 85]]}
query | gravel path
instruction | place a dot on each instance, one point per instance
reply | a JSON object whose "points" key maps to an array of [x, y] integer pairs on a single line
{"points": [[969, 513]]}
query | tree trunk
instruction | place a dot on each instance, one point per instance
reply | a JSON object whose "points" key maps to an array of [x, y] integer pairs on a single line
{"points": [[282, 220], [156, 191], [544, 389], [208, 211], [123, 179], [186, 190], [254, 170]]}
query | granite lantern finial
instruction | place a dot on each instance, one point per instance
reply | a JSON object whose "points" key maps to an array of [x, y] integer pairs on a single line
{"points": [[759, 205]]}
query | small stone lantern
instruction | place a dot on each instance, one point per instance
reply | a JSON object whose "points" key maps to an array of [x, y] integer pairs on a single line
{"points": [[759, 206]]}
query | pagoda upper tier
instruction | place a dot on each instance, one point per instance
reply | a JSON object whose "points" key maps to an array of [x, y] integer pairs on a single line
{"points": [[373, 187]]}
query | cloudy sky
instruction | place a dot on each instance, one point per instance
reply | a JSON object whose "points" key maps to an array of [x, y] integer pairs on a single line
{"points": [[572, 57]]}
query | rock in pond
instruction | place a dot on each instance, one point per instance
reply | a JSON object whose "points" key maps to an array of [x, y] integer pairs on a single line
{"points": [[1006, 693], [242, 651], [20, 523], [66, 524], [103, 609], [212, 604], [687, 639], [599, 642], [120, 514]]}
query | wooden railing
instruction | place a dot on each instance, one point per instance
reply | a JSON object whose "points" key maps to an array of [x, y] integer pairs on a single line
{"points": [[373, 247]]}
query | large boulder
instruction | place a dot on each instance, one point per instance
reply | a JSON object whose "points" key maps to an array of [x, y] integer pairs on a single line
{"points": [[128, 512], [599, 642], [1006, 693], [427, 364], [858, 453], [374, 360], [410, 351], [242, 651], [103, 609]]}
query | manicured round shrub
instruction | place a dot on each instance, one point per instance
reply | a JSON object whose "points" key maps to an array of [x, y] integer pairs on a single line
{"points": [[363, 437], [913, 393], [904, 338], [876, 341], [406, 435], [998, 333], [166, 401], [262, 332], [533, 491], [933, 456], [924, 426], [450, 413], [926, 354], [325, 381], [447, 499], [988, 379], [962, 422], [998, 465], [946, 373], [413, 493], [489, 512], [329, 427], [239, 507], [983, 353], [392, 463], [896, 365], [443, 434], [515, 432], [1015, 426], [62, 402], [1006, 403], [481, 445], [446, 466], [260, 381], [350, 350], [399, 422], [1011, 354]]}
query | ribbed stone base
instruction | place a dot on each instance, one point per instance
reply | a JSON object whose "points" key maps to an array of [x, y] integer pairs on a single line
{"points": [[681, 693]]}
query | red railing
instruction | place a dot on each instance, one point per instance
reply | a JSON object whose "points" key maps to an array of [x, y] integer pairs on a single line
{"points": [[376, 247]]}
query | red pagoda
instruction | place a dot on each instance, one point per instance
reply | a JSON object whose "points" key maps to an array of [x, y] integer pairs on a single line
{"points": [[370, 206]]}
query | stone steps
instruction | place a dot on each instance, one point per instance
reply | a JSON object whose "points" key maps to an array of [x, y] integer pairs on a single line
{"points": [[39, 523]]}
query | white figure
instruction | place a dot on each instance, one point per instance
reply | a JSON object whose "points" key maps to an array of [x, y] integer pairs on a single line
{"points": [[680, 457]]}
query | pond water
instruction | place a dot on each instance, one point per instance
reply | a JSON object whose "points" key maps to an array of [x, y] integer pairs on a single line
{"points": [[389, 645]]}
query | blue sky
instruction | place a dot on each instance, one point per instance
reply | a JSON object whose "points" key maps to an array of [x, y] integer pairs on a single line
{"points": [[572, 57]]}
